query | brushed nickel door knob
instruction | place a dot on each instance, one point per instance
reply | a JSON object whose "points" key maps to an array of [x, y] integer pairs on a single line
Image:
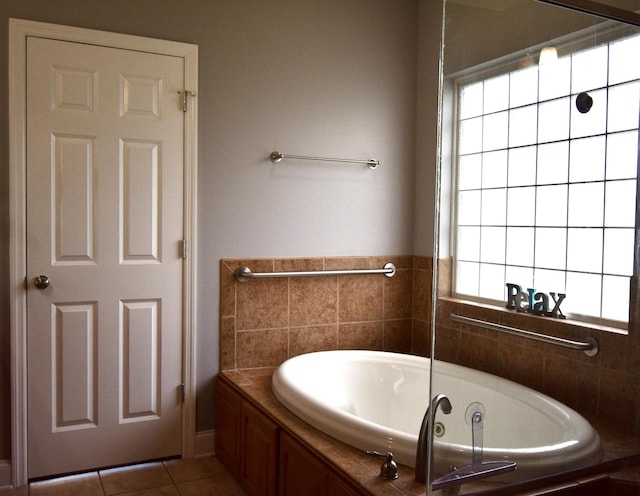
{"points": [[41, 282]]}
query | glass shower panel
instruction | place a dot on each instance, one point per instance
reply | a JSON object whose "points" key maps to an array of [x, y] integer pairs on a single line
{"points": [[540, 215]]}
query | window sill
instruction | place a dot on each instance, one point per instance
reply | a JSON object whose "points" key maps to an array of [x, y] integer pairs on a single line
{"points": [[500, 314]]}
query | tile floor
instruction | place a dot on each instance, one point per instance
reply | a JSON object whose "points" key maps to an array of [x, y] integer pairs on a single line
{"points": [[199, 477]]}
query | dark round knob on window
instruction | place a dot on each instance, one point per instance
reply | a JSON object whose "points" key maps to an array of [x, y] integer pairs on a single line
{"points": [[584, 102]]}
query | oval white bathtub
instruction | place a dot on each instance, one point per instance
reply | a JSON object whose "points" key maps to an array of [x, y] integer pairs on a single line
{"points": [[376, 400]]}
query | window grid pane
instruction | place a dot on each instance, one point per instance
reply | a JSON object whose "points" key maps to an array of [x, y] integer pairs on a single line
{"points": [[546, 192]]}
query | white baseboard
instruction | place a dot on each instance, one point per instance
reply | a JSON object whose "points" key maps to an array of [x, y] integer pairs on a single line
{"points": [[205, 446], [205, 443], [5, 473]]}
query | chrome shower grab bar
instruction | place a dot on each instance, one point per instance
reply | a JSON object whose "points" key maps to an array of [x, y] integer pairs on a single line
{"points": [[589, 345], [243, 274], [371, 163]]}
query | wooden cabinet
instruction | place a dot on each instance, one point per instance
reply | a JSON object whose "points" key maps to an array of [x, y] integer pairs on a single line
{"points": [[300, 472], [264, 458], [228, 425], [246, 442], [338, 487], [303, 473], [258, 466]]}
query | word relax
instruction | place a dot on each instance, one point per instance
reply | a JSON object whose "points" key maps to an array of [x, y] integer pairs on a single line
{"points": [[536, 303]]}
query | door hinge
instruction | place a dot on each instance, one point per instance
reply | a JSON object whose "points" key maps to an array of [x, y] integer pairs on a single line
{"points": [[184, 248], [185, 98], [184, 392]]}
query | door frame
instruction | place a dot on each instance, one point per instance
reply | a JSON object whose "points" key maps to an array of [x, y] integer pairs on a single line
{"points": [[19, 30]]}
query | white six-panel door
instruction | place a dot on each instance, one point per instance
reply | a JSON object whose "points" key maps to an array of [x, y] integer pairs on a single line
{"points": [[105, 226]]}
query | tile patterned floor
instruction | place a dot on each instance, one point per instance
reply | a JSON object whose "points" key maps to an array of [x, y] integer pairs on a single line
{"points": [[200, 477]]}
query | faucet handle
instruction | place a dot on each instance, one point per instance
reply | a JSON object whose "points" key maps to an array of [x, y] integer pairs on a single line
{"points": [[389, 468]]}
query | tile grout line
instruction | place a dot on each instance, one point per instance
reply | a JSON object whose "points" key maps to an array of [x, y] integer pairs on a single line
{"points": [[104, 491], [173, 481]]}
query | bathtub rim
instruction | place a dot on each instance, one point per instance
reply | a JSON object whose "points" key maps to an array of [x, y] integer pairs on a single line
{"points": [[334, 422]]}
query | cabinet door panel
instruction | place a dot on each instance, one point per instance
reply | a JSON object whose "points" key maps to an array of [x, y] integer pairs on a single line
{"points": [[228, 424], [259, 467], [337, 487], [300, 472]]}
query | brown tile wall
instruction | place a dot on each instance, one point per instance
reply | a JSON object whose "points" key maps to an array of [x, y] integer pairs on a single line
{"points": [[604, 388], [264, 322]]}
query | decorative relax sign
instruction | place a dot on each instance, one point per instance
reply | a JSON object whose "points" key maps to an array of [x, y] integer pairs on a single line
{"points": [[537, 303]]}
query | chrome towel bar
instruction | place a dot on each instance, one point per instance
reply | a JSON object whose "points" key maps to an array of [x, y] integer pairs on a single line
{"points": [[589, 345], [371, 163], [243, 274]]}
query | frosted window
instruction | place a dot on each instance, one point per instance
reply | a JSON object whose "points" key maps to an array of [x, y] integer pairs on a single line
{"points": [[495, 131], [622, 155], [524, 275], [469, 243], [553, 163], [520, 243], [546, 194], [618, 251], [551, 206], [589, 69], [584, 250], [493, 244], [496, 94], [470, 172], [621, 204], [523, 88], [469, 208], [471, 136], [494, 207], [468, 278], [553, 122], [471, 101], [620, 55], [624, 107], [494, 169], [584, 292], [522, 166], [549, 280], [492, 283], [585, 204], [523, 126], [555, 79], [587, 159], [551, 248], [521, 206], [615, 298]]}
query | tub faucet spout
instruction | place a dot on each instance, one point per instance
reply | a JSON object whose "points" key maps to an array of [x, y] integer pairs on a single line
{"points": [[423, 449]]}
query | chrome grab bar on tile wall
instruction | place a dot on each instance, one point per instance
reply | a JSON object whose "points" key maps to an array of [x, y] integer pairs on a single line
{"points": [[589, 345], [243, 274]]}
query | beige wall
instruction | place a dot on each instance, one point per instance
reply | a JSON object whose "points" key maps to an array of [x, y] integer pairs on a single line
{"points": [[331, 78]]}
